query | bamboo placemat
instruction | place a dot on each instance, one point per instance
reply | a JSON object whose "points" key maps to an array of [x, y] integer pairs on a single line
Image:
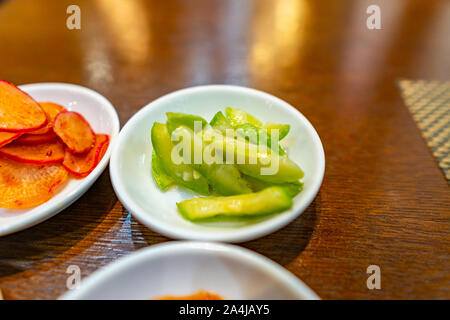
{"points": [[429, 104]]}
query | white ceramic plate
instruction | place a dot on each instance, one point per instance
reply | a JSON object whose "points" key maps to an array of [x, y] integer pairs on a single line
{"points": [[186, 267], [101, 115], [133, 183]]}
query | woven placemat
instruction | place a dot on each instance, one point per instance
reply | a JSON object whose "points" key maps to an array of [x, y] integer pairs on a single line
{"points": [[429, 104]]}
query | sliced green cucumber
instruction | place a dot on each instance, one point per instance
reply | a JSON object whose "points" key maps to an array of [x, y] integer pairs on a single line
{"points": [[238, 117], [219, 122], [253, 134], [293, 188], [182, 173], [225, 179], [177, 119], [162, 179], [283, 129], [268, 201], [259, 162]]}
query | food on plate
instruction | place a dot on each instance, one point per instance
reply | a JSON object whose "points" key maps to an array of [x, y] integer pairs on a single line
{"points": [[7, 137], [182, 173], [267, 201], [176, 120], [254, 134], [201, 295], [24, 185], [18, 111], [29, 138], [235, 160], [220, 123], [39, 153], [238, 117], [74, 131], [80, 165], [40, 144], [51, 111], [283, 129], [224, 178], [162, 179], [293, 188]]}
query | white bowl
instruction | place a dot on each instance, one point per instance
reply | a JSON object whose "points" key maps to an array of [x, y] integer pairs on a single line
{"points": [[101, 115], [133, 183], [185, 267]]}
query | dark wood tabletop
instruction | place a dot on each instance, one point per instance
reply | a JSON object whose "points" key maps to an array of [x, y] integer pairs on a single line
{"points": [[384, 201]]}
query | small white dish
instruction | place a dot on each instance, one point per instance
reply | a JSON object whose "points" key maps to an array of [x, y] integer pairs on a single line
{"points": [[186, 267], [133, 183], [102, 117]]}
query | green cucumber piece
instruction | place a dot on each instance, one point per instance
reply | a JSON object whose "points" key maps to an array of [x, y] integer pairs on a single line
{"points": [[268, 201], [177, 119], [182, 173], [252, 134], [162, 179], [261, 164], [238, 117], [288, 171], [225, 179], [283, 129], [219, 122], [293, 188]]}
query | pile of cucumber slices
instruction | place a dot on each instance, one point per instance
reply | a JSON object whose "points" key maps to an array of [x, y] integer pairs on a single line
{"points": [[240, 181]]}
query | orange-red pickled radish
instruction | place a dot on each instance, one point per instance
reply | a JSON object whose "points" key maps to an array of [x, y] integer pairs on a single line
{"points": [[18, 111], [25, 185], [81, 165], [7, 137], [41, 153], [74, 131]]}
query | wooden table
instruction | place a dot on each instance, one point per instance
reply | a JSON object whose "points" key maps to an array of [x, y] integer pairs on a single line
{"points": [[383, 201]]}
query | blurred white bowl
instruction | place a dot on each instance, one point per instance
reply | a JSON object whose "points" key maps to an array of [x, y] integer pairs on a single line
{"points": [[185, 267]]}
